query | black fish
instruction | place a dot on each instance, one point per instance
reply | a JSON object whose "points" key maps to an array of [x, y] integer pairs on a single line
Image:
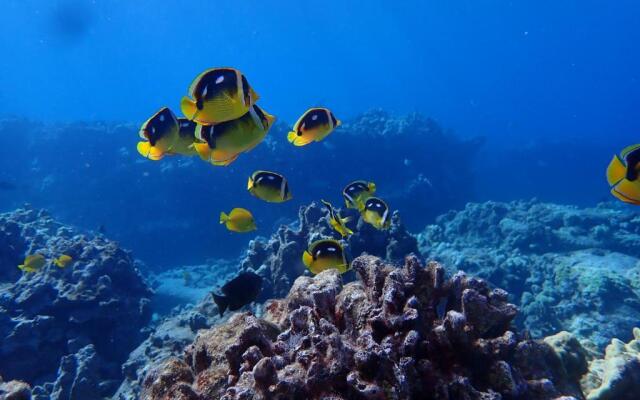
{"points": [[238, 292]]}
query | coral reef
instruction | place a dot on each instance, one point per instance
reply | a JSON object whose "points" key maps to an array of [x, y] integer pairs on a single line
{"points": [[396, 333], [278, 259], [67, 331], [568, 268], [617, 375]]}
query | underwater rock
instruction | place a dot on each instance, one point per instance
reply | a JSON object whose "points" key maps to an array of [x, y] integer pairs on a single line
{"points": [[14, 390], [568, 268], [617, 375], [396, 333], [60, 322], [279, 259]]}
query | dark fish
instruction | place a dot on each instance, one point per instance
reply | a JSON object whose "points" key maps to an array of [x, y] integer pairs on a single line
{"points": [[238, 292]]}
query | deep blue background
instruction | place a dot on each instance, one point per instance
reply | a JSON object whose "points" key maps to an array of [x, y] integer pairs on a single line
{"points": [[552, 85]]}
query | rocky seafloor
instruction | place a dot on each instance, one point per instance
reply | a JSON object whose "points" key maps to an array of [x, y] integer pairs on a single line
{"points": [[546, 310]]}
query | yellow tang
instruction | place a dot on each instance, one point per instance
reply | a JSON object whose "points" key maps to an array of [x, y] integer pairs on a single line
{"points": [[223, 142], [357, 191], [325, 254], [33, 263], [622, 175], [313, 126], [63, 261], [161, 133], [238, 220], [269, 186], [375, 212], [337, 223], [218, 95]]}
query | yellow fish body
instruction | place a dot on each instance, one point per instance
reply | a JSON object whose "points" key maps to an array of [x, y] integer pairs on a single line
{"points": [[313, 126], [218, 95], [33, 263], [223, 142], [325, 254], [358, 192], [161, 133], [337, 223], [375, 212], [184, 145], [623, 173], [269, 186], [63, 261], [238, 220]]}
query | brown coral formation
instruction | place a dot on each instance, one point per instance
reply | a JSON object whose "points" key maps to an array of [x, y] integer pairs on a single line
{"points": [[396, 333]]}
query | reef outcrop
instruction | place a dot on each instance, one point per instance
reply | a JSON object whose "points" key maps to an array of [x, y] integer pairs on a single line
{"points": [[617, 375], [568, 268], [279, 259], [395, 333], [67, 331]]}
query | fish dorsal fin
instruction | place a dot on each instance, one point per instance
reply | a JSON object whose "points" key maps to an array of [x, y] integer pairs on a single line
{"points": [[625, 152]]}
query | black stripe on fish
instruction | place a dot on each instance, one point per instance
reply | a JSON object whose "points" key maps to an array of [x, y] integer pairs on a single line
{"points": [[327, 248], [632, 160], [215, 82], [270, 179], [315, 118]]}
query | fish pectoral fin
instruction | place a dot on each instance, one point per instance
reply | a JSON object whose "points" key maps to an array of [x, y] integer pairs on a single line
{"points": [[152, 153], [188, 108], [307, 259], [616, 170]]}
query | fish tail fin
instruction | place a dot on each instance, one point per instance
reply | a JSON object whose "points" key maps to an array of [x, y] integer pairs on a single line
{"points": [[372, 187], [291, 136], [58, 264], [338, 122], [360, 205], [22, 267], [616, 170], [346, 220], [221, 302], [250, 183], [270, 119], [152, 153], [307, 259], [224, 217], [188, 108]]}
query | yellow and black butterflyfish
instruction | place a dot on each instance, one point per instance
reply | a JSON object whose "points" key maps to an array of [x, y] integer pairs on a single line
{"points": [[161, 133], [622, 175], [325, 254], [269, 186], [375, 212], [223, 142], [313, 126], [337, 223], [218, 95], [358, 191]]}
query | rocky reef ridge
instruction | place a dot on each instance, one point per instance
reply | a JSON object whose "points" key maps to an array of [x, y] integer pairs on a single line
{"points": [[567, 268], [396, 333], [66, 331]]}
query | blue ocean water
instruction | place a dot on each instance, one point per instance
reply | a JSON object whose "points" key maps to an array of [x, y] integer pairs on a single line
{"points": [[549, 91]]}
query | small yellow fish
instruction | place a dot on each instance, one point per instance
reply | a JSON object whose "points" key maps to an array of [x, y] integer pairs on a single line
{"points": [[622, 175], [33, 263], [375, 212], [269, 186], [313, 126], [223, 142], [336, 222], [238, 220], [161, 133], [63, 261], [218, 95], [325, 254], [358, 191]]}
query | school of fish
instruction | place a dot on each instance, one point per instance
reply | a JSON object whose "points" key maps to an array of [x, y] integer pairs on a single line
{"points": [[222, 121]]}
